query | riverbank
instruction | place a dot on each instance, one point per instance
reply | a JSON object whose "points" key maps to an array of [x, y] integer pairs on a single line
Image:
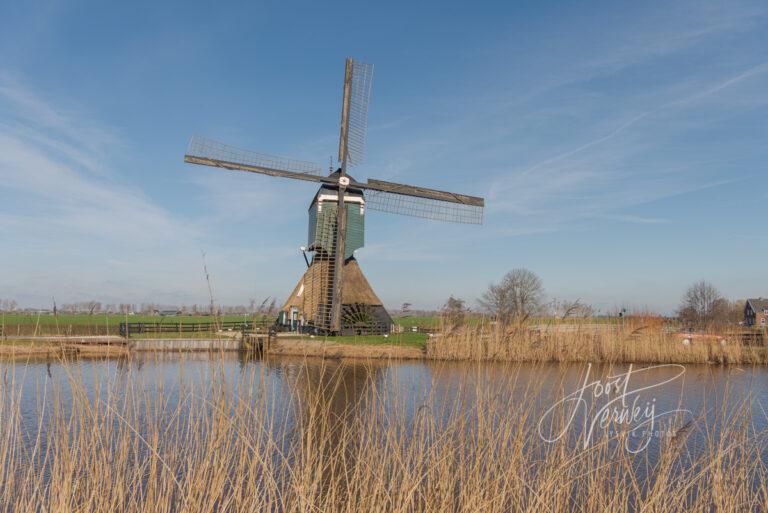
{"points": [[404, 346], [482, 342], [328, 349], [15, 350]]}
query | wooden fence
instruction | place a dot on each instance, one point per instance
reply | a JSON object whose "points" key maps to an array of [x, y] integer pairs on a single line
{"points": [[134, 328]]}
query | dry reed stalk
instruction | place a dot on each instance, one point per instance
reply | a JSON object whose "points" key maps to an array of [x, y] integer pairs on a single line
{"points": [[342, 438], [630, 343]]}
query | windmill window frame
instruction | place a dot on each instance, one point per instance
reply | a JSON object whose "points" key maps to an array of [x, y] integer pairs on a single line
{"points": [[335, 198]]}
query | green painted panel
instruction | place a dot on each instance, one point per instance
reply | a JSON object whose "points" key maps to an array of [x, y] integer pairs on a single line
{"points": [[312, 224], [322, 227], [355, 229]]}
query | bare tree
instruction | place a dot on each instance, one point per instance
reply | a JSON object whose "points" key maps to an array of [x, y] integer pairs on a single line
{"points": [[263, 306], [92, 307], [565, 309], [453, 313], [736, 314], [518, 296], [703, 304], [8, 305]]}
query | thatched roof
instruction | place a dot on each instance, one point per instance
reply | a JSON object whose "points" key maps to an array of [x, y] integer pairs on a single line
{"points": [[355, 288], [312, 288]]}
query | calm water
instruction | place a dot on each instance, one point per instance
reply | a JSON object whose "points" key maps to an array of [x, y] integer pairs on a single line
{"points": [[708, 394]]}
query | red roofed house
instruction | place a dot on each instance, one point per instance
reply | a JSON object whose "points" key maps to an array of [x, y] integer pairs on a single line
{"points": [[756, 312]]}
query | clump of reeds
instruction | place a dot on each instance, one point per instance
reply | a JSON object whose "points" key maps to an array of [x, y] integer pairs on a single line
{"points": [[340, 437], [638, 341]]}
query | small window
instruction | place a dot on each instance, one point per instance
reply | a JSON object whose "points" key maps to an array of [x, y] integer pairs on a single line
{"points": [[762, 321]]}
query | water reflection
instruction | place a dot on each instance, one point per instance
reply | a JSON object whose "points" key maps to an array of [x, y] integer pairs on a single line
{"points": [[326, 403]]}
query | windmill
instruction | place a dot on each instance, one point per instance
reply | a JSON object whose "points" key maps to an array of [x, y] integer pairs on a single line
{"points": [[333, 296]]}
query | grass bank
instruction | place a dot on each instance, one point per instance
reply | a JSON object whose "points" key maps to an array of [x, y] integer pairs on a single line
{"points": [[418, 340], [638, 340], [16, 350], [399, 345]]}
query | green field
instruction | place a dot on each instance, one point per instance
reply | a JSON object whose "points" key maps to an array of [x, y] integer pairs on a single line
{"points": [[24, 324], [12, 319], [103, 320], [423, 322], [18, 324], [433, 321], [109, 319]]}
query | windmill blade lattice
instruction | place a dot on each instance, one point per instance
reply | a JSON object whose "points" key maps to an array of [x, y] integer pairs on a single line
{"points": [[360, 97], [426, 208], [207, 151]]}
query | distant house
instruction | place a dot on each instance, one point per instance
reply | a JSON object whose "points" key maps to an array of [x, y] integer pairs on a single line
{"points": [[167, 313], [756, 312]]}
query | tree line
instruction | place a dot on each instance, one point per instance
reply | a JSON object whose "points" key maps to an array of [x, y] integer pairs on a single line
{"points": [[519, 295]]}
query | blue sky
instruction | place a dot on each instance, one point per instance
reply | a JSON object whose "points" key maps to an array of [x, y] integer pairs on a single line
{"points": [[621, 147]]}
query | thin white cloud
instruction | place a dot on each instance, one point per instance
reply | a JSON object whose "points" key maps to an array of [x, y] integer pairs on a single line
{"points": [[570, 153], [70, 200], [79, 229], [75, 133], [594, 178], [672, 30], [403, 251], [716, 88], [66, 212]]}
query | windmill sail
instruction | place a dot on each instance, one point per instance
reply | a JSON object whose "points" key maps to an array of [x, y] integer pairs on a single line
{"points": [[212, 153], [414, 201], [354, 112]]}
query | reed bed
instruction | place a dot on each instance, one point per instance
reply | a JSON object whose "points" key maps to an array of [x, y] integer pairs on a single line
{"points": [[633, 342], [338, 438]]}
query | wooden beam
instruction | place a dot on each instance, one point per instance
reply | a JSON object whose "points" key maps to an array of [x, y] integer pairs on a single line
{"points": [[256, 169], [420, 192], [344, 132], [341, 210]]}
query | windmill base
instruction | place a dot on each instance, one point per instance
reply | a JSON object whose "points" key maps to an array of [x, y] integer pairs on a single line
{"points": [[360, 319], [307, 310]]}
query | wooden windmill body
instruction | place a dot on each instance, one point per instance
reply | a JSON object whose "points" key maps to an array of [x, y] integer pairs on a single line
{"points": [[333, 296], [309, 305]]}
